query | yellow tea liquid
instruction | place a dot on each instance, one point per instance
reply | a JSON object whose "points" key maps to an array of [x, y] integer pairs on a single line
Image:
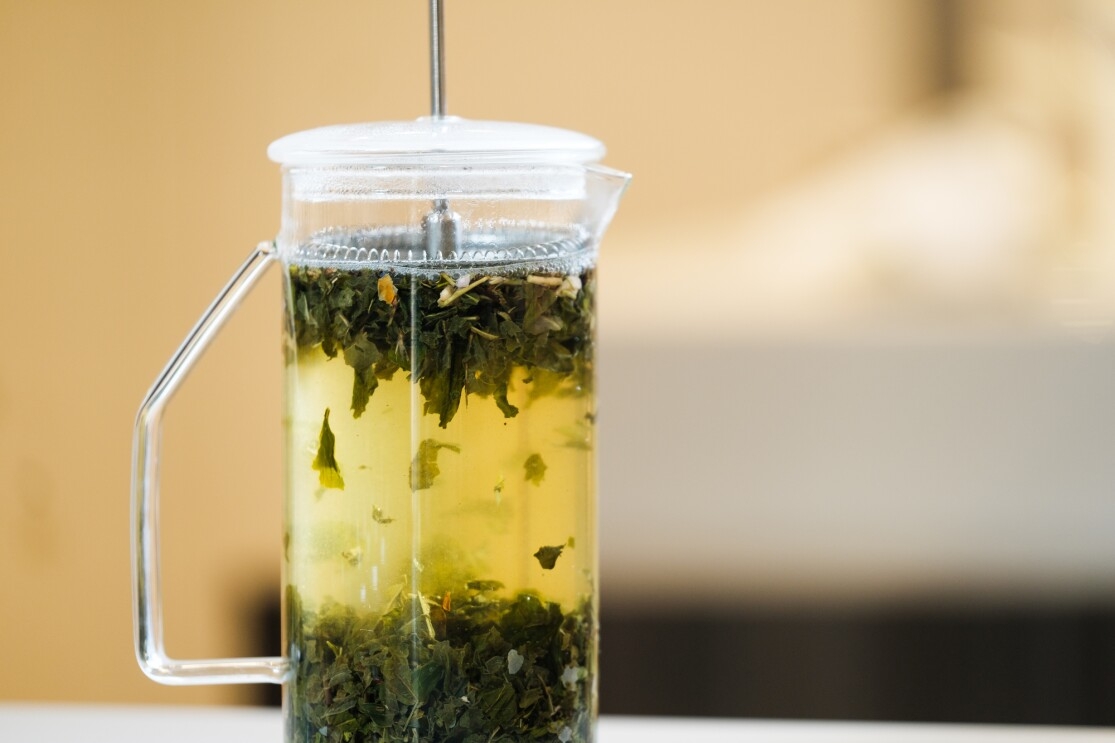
{"points": [[484, 515]]}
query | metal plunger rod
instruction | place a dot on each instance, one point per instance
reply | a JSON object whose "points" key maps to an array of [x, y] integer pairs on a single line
{"points": [[437, 60], [442, 225]]}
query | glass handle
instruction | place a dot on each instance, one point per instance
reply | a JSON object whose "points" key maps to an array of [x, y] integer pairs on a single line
{"points": [[147, 594]]}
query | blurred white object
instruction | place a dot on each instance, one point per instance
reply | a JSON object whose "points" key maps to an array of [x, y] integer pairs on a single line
{"points": [[947, 214]]}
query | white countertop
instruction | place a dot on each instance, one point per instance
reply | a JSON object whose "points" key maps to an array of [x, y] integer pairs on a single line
{"points": [[57, 723]]}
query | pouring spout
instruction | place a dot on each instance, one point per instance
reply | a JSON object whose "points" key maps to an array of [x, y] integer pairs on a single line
{"points": [[604, 187]]}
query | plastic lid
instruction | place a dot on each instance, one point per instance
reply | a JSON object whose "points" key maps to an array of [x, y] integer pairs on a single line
{"points": [[430, 141]]}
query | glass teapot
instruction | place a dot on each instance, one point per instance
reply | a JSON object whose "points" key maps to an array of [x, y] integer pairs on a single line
{"points": [[439, 548]]}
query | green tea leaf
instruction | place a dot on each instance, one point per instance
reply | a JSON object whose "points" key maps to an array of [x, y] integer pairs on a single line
{"points": [[535, 469], [364, 383], [424, 469], [547, 556], [361, 354], [454, 340], [353, 556], [493, 669], [500, 395], [329, 474]]}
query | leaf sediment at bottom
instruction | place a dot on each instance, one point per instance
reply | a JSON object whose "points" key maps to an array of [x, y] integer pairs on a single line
{"points": [[468, 669]]}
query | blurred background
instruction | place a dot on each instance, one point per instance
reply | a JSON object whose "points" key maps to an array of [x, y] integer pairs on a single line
{"points": [[856, 333]]}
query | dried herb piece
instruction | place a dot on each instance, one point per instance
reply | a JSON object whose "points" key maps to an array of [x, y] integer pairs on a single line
{"points": [[377, 515], [482, 670], [424, 468], [453, 339], [535, 469], [329, 474], [547, 556], [353, 556], [514, 661], [448, 297], [385, 289]]}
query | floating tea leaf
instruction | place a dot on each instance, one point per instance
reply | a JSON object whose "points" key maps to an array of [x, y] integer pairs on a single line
{"points": [[535, 469], [547, 556], [329, 475], [424, 468], [353, 556], [361, 355], [454, 340]]}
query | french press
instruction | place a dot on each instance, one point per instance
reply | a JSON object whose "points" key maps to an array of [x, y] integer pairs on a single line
{"points": [[439, 548]]}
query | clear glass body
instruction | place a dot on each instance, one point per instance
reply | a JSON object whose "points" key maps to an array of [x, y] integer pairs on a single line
{"points": [[440, 549], [439, 555]]}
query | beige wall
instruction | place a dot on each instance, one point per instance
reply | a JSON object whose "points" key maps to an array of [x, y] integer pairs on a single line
{"points": [[132, 138]]}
